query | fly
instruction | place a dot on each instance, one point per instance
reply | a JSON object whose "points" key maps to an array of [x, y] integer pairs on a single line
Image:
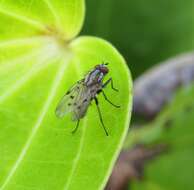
{"points": [[78, 98]]}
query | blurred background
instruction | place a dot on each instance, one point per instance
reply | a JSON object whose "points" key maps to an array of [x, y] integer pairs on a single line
{"points": [[159, 151], [145, 32]]}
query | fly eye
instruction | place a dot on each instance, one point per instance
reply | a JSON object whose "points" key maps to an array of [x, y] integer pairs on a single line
{"points": [[104, 70]]}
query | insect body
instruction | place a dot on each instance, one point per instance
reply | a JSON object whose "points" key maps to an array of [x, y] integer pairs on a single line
{"points": [[79, 97]]}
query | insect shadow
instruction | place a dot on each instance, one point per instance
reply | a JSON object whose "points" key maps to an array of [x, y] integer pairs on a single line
{"points": [[79, 96]]}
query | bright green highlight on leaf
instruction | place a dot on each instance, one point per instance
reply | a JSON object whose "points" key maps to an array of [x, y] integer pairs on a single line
{"points": [[38, 64]]}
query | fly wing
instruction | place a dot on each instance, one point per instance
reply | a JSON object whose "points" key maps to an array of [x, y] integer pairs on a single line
{"points": [[69, 100], [82, 104]]}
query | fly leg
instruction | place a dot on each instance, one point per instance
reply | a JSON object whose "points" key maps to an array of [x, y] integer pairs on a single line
{"points": [[111, 82], [75, 129], [105, 97], [100, 115]]}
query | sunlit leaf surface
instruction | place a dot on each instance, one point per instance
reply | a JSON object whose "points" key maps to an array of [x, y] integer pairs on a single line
{"points": [[38, 64]]}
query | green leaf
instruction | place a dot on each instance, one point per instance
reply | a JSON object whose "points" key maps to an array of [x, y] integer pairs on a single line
{"points": [[27, 18], [38, 150], [173, 170]]}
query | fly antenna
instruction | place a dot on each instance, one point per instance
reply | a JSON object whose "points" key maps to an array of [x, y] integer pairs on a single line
{"points": [[104, 63]]}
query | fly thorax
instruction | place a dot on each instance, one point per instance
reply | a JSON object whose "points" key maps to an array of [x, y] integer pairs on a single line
{"points": [[94, 77]]}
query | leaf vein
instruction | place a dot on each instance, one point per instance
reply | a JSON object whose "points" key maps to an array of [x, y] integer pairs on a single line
{"points": [[80, 148], [43, 112], [24, 19], [13, 88], [22, 41], [53, 12]]}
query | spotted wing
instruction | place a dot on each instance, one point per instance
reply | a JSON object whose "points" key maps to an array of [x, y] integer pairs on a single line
{"points": [[70, 99], [82, 104]]}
